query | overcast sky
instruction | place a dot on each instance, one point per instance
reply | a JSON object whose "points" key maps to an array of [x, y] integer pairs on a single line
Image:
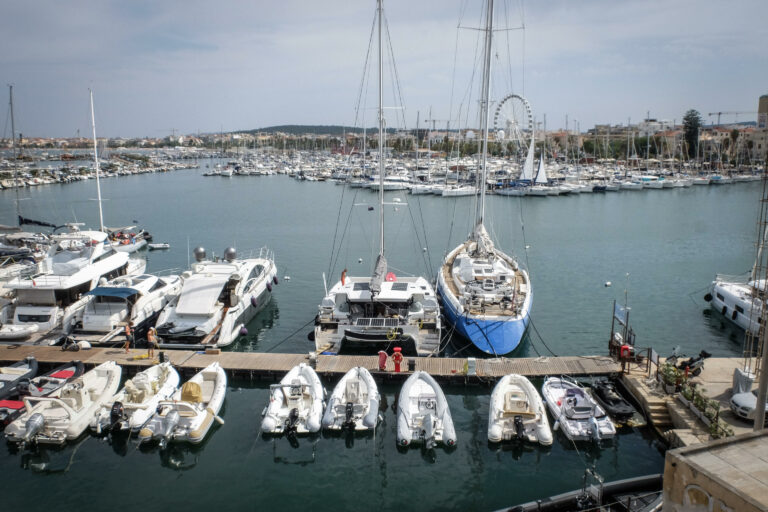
{"points": [[157, 66]]}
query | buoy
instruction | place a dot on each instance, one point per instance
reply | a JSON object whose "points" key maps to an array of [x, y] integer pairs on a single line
{"points": [[607, 284], [527, 246], [424, 249], [359, 260], [243, 331], [286, 278]]}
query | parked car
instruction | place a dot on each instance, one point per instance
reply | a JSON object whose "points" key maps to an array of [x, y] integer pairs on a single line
{"points": [[743, 405]]}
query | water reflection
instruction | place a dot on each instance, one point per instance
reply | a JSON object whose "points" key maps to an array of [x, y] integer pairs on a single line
{"points": [[722, 328], [51, 459], [263, 321]]}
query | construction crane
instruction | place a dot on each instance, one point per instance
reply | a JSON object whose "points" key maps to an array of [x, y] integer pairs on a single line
{"points": [[718, 114]]}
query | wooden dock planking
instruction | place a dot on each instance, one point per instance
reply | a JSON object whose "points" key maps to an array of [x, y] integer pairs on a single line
{"points": [[255, 363]]}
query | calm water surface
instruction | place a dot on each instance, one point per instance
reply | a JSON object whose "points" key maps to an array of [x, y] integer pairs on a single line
{"points": [[670, 243]]}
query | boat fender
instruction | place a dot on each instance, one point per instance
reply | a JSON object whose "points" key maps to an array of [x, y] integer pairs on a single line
{"points": [[328, 416], [254, 301], [243, 331], [373, 413], [734, 315], [708, 297], [724, 310], [274, 279], [556, 426], [269, 287]]}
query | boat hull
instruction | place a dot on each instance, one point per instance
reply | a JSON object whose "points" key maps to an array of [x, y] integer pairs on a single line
{"points": [[495, 336]]}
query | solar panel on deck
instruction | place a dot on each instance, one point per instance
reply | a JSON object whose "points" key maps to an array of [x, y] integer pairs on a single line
{"points": [[399, 287], [361, 286]]}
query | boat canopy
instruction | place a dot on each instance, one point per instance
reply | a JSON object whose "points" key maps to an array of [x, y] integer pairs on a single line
{"points": [[113, 291], [199, 295]]}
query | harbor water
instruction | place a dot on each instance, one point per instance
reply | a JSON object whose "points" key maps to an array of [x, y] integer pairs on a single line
{"points": [[659, 249]]}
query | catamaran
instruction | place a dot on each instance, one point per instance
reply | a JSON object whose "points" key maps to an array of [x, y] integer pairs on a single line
{"points": [[485, 293], [383, 310]]}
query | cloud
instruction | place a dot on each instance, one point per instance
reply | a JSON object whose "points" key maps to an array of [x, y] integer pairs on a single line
{"points": [[237, 65]]}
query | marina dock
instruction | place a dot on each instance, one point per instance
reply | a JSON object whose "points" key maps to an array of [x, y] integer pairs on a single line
{"points": [[267, 366]]}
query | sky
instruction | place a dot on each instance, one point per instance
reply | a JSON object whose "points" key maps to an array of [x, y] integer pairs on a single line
{"points": [[163, 67]]}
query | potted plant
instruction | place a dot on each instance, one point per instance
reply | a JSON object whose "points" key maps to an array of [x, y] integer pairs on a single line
{"points": [[670, 377]]}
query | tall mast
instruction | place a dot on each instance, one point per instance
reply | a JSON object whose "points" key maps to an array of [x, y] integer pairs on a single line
{"points": [[96, 162], [15, 165], [381, 140], [484, 110]]}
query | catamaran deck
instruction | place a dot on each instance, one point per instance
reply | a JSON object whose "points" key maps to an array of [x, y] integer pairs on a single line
{"points": [[269, 366]]}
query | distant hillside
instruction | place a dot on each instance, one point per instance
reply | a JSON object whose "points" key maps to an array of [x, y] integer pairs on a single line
{"points": [[299, 129]]}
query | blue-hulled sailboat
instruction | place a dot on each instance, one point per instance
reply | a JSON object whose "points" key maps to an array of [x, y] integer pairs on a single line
{"points": [[486, 295]]}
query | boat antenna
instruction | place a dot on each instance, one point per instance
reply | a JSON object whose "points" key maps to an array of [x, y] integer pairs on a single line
{"points": [[484, 110], [96, 163]]}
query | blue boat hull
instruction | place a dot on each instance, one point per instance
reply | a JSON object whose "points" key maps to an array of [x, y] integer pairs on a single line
{"points": [[497, 337]]}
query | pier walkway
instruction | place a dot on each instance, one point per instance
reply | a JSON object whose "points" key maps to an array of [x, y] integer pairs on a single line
{"points": [[256, 365]]}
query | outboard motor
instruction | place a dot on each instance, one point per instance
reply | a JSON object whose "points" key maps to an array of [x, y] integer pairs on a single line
{"points": [[290, 425], [199, 253], [519, 427], [34, 425], [169, 424], [230, 254], [595, 433], [116, 414], [349, 422], [428, 432]]}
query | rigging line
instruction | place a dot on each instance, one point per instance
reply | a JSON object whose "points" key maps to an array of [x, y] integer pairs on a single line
{"points": [[455, 58], [418, 240], [363, 79], [394, 75], [541, 338], [428, 256], [344, 233], [336, 230], [289, 336], [450, 229]]}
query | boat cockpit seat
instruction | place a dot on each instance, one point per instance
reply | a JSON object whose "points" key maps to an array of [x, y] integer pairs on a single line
{"points": [[515, 403], [191, 392], [352, 390], [427, 404]]}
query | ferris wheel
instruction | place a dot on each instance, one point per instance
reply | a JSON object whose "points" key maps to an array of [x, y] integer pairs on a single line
{"points": [[513, 122]]}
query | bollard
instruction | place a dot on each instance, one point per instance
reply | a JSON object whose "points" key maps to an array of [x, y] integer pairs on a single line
{"points": [[411, 365], [397, 358], [382, 360], [313, 360]]}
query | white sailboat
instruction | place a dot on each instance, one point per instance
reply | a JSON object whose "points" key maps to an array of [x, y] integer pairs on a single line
{"points": [[486, 295], [383, 310]]}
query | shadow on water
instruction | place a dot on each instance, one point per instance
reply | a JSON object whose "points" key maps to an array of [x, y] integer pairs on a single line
{"points": [[51, 459], [302, 450], [719, 326], [458, 346], [262, 322], [519, 448]]}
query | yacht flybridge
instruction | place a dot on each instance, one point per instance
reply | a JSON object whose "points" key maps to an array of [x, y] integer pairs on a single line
{"points": [[217, 299], [486, 296], [381, 311], [45, 304]]}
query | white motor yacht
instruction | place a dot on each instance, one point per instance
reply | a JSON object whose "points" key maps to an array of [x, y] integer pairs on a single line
{"points": [[135, 299], [217, 299], [46, 304]]}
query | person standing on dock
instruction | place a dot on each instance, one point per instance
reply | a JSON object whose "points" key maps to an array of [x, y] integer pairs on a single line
{"points": [[128, 336], [151, 343]]}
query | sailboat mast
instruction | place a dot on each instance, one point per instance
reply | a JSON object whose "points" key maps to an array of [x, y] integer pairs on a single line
{"points": [[96, 163], [381, 138], [13, 153], [484, 110]]}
